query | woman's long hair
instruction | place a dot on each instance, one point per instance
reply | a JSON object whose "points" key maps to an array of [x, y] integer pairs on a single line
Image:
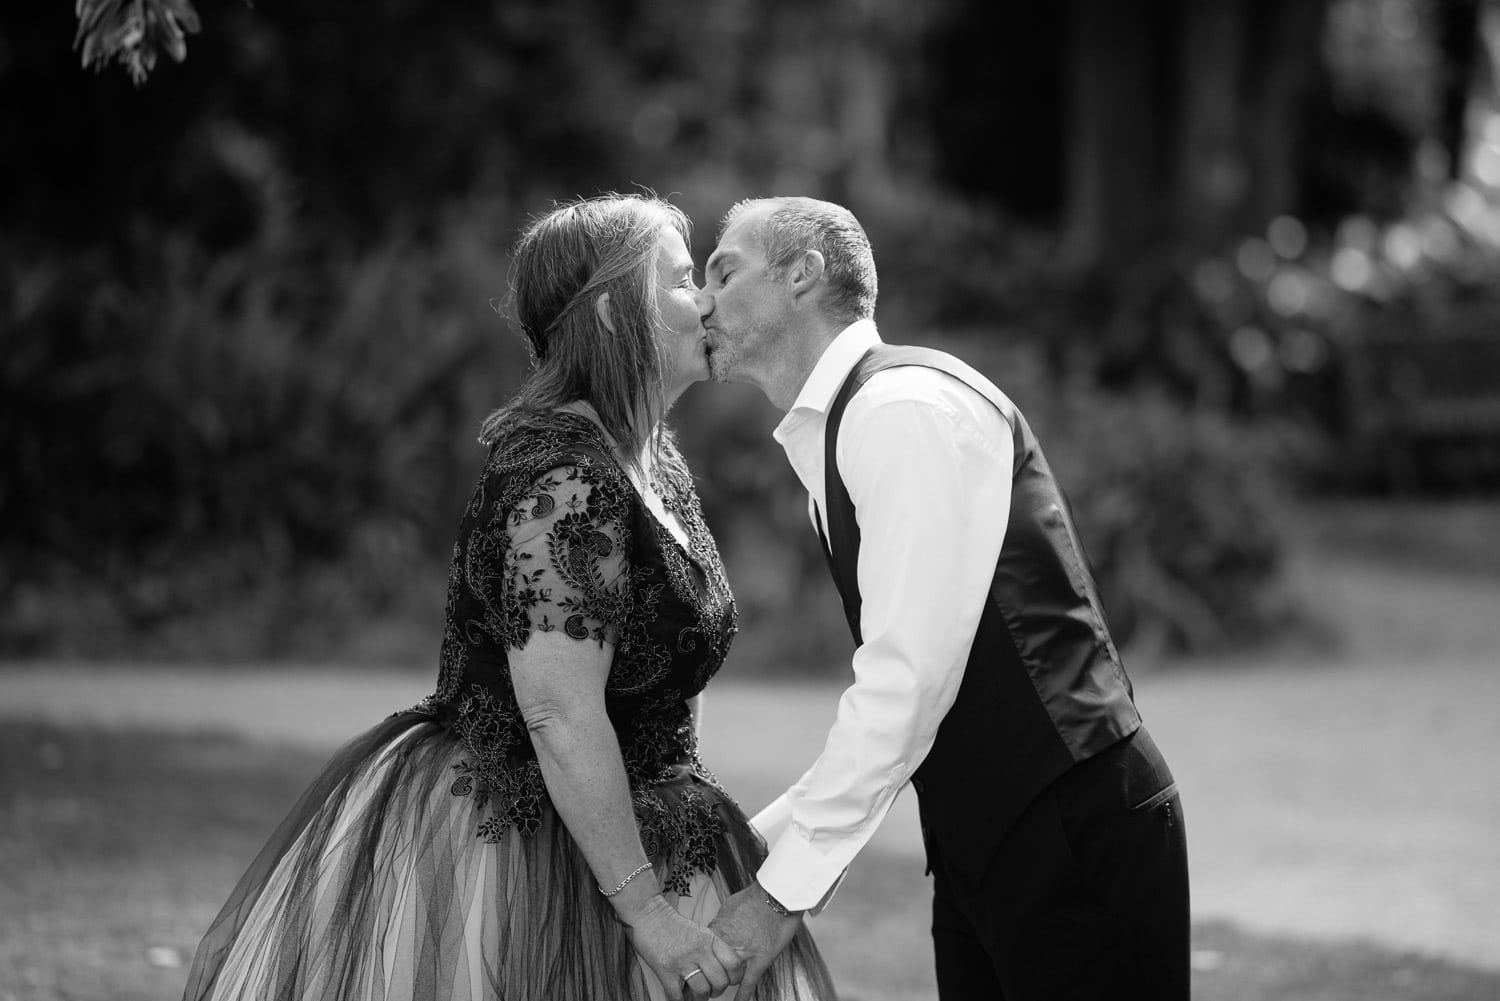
{"points": [[564, 261]]}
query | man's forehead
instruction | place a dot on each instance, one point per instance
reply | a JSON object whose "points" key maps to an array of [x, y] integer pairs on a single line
{"points": [[746, 224], [740, 238]]}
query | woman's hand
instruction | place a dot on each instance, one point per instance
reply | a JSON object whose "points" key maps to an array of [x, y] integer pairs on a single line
{"points": [[689, 960]]}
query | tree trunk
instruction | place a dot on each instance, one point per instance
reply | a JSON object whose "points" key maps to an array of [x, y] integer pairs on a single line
{"points": [[1289, 35], [1211, 170], [1462, 45], [1113, 207]]}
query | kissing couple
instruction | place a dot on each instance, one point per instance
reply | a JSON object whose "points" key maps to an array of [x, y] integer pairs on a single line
{"points": [[541, 827]]}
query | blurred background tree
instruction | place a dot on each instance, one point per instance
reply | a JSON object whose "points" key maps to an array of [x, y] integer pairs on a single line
{"points": [[1221, 250]]}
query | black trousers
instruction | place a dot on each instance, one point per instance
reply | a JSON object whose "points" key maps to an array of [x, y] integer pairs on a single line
{"points": [[1087, 896]]}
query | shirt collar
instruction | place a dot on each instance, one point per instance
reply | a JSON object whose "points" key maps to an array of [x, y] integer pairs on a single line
{"points": [[834, 366]]}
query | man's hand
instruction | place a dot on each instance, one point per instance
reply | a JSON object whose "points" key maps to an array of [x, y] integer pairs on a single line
{"points": [[757, 932]]}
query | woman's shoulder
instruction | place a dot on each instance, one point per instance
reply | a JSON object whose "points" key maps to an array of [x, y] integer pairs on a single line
{"points": [[526, 444], [542, 466]]}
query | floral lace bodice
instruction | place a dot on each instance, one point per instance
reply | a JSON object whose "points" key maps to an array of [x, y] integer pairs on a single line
{"points": [[555, 538]]}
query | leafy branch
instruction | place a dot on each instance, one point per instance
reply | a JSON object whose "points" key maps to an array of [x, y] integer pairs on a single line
{"points": [[133, 33]]}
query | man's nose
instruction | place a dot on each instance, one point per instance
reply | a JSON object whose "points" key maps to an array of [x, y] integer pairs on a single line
{"points": [[705, 304]]}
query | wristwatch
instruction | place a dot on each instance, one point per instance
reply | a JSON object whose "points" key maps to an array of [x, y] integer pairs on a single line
{"points": [[775, 904]]}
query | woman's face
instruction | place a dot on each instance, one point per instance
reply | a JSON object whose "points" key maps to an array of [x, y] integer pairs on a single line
{"points": [[683, 342]]}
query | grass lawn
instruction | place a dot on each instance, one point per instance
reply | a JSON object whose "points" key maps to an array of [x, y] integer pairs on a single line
{"points": [[117, 848]]}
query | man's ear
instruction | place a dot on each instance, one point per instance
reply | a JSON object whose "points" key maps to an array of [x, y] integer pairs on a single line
{"points": [[601, 310], [804, 276]]}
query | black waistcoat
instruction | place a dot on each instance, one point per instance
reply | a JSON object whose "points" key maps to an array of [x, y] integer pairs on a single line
{"points": [[1043, 688]]}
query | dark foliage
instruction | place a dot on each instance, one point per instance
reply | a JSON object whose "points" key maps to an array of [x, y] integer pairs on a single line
{"points": [[228, 429], [246, 332]]}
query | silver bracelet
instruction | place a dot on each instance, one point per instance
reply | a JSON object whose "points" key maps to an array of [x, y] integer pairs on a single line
{"points": [[622, 883]]}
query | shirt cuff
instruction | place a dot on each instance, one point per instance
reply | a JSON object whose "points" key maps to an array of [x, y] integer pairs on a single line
{"points": [[770, 822], [800, 877]]}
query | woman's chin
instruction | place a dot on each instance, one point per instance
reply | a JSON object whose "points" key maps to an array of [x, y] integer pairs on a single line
{"points": [[674, 393], [700, 372]]}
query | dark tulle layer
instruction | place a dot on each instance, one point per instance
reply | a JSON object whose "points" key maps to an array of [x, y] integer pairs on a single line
{"points": [[376, 886]]}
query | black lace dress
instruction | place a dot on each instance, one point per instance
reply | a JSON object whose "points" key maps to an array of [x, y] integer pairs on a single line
{"points": [[427, 861]]}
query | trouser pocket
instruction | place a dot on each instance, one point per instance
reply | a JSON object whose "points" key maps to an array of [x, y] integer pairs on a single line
{"points": [[1155, 799]]}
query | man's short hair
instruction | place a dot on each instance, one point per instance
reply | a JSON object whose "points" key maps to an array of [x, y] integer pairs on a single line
{"points": [[794, 225]]}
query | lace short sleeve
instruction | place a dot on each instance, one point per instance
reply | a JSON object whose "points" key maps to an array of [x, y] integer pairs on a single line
{"points": [[568, 556]]}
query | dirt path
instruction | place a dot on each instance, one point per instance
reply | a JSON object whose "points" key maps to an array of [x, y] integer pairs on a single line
{"points": [[1326, 799]]}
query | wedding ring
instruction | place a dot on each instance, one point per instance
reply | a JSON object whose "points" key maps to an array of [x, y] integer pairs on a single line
{"points": [[695, 973]]}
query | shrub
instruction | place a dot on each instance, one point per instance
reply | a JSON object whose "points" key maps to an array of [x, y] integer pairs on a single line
{"points": [[274, 430]]}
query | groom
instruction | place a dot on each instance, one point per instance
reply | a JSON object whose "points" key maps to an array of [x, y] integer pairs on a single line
{"points": [[984, 671]]}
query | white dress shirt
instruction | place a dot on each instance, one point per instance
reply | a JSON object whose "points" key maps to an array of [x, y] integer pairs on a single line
{"points": [[928, 464]]}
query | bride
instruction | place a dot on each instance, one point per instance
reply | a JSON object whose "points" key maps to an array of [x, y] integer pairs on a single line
{"points": [[541, 827]]}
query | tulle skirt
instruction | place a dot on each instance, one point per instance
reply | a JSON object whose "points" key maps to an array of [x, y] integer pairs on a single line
{"points": [[377, 887]]}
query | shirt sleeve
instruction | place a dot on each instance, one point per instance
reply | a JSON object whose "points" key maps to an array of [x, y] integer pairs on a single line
{"points": [[930, 479]]}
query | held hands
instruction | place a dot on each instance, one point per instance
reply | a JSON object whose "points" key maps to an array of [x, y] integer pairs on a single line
{"points": [[757, 932], [690, 961]]}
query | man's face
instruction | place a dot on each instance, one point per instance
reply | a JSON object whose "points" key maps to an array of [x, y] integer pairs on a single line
{"points": [[744, 306]]}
